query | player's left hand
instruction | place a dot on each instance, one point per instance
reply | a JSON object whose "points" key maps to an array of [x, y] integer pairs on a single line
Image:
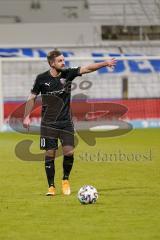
{"points": [[111, 63]]}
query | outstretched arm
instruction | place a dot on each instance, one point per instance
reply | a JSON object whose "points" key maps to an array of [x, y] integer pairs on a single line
{"points": [[95, 66]]}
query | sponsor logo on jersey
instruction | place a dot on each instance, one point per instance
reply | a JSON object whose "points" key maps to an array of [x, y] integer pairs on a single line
{"points": [[63, 80], [47, 84]]}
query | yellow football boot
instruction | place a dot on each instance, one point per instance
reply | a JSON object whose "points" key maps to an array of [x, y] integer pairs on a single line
{"points": [[66, 187], [51, 191]]}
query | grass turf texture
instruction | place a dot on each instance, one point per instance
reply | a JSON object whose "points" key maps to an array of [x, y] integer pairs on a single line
{"points": [[128, 207]]}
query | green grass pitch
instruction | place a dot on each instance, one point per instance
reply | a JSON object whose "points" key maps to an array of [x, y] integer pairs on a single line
{"points": [[128, 207]]}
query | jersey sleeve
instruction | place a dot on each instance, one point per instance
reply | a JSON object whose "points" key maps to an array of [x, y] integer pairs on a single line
{"points": [[36, 86], [74, 72]]}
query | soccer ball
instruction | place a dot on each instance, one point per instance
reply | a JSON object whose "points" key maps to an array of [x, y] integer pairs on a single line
{"points": [[87, 194]]}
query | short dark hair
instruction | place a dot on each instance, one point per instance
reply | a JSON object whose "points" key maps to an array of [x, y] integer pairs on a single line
{"points": [[52, 55]]}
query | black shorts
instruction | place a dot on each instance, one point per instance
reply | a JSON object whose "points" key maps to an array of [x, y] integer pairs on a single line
{"points": [[50, 133]]}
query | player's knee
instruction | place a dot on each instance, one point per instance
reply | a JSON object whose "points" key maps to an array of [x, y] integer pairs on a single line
{"points": [[50, 153], [69, 153]]}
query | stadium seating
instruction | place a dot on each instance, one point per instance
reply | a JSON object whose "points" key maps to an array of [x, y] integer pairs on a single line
{"points": [[124, 12], [115, 12]]}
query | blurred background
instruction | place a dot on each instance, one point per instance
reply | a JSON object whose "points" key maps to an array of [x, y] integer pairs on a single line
{"points": [[85, 31]]}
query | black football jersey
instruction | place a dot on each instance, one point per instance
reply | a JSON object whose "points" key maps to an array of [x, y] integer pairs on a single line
{"points": [[56, 94]]}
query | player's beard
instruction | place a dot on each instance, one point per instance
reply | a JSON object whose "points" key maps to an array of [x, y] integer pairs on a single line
{"points": [[59, 69]]}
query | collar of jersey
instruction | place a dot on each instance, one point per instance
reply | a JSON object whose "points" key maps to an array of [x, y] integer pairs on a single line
{"points": [[56, 76]]}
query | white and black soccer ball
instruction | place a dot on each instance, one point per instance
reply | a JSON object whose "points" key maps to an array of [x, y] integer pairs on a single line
{"points": [[87, 194]]}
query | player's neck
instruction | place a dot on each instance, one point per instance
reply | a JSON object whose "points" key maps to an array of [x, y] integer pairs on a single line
{"points": [[54, 72]]}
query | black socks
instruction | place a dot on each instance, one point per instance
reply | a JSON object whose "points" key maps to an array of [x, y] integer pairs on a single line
{"points": [[50, 170], [67, 166]]}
